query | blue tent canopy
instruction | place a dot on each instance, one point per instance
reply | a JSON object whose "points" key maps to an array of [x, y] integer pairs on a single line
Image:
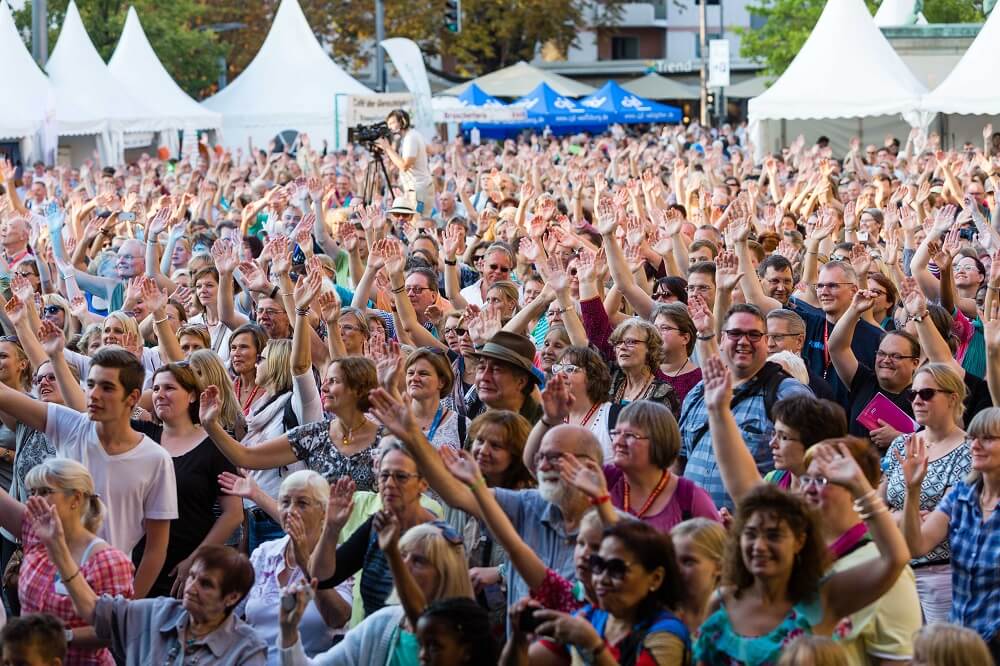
{"points": [[474, 96], [624, 107], [560, 112]]}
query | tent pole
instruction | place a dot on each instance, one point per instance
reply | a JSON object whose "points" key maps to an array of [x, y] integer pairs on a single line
{"points": [[380, 79]]}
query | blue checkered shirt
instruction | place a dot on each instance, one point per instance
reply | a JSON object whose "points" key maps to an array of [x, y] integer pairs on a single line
{"points": [[975, 560], [757, 429]]}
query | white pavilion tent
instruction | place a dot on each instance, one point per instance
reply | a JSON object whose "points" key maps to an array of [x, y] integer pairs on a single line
{"points": [[135, 65], [967, 97], [840, 89], [89, 101], [291, 84], [23, 113], [520, 79]]}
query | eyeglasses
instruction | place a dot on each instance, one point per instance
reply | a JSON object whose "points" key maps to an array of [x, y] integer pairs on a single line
{"points": [[782, 336], [832, 286], [38, 379], [698, 289], [895, 358], [52, 310], [399, 478], [835, 257], [417, 290], [448, 532], [660, 295], [629, 342], [735, 334], [664, 328], [10, 338], [456, 330], [925, 394], [615, 568], [630, 438], [29, 274], [348, 328], [498, 267], [819, 481], [568, 368], [270, 312]]}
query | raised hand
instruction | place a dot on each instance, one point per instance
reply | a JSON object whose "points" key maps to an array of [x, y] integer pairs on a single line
{"points": [[307, 288], [727, 273], [461, 464], [281, 256], [15, 309], [52, 338], [718, 384], [152, 296], [210, 405], [45, 520], [454, 241], [701, 315], [861, 261], [393, 414], [329, 307], [386, 526], [607, 217], [914, 300], [583, 474], [255, 278], [390, 251], [838, 466], [388, 363], [341, 502], [239, 485], [557, 400], [531, 250]]}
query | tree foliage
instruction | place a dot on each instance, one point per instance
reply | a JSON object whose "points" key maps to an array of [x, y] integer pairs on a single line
{"points": [[190, 55], [954, 11]]}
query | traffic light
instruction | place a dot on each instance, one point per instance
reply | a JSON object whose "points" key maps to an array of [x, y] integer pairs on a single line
{"points": [[453, 15]]}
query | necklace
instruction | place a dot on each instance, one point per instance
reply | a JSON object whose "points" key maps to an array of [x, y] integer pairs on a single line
{"points": [[349, 432], [660, 485], [238, 385], [586, 416], [678, 370], [621, 393]]}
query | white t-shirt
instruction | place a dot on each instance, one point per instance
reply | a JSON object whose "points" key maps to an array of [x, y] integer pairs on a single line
{"points": [[413, 146], [134, 485]]}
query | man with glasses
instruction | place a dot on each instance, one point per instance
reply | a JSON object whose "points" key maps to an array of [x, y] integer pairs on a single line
{"points": [[497, 264], [701, 282], [757, 383], [787, 332], [896, 361]]}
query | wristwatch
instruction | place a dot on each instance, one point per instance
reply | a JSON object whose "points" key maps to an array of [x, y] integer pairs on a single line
{"points": [[920, 317]]}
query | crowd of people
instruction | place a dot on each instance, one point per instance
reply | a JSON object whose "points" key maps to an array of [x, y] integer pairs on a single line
{"points": [[630, 399]]}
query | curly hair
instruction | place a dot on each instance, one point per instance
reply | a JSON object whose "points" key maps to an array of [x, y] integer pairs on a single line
{"points": [[470, 624], [654, 343], [784, 507], [594, 367]]}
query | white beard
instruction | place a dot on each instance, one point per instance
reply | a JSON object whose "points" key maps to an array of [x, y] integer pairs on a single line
{"points": [[554, 491]]}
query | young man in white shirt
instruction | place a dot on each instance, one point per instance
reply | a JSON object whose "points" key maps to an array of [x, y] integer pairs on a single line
{"points": [[133, 474]]}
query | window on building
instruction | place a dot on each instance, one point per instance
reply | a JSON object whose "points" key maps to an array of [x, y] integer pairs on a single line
{"points": [[625, 47], [709, 36]]}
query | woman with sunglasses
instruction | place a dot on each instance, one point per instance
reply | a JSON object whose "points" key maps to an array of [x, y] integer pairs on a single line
{"points": [[774, 586], [938, 394], [56, 309], [197, 465], [883, 629], [65, 488], [638, 588]]}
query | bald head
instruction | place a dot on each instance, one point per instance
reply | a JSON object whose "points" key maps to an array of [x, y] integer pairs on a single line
{"points": [[579, 441]]}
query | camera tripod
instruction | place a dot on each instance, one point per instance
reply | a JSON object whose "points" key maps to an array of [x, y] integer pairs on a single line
{"points": [[373, 173]]}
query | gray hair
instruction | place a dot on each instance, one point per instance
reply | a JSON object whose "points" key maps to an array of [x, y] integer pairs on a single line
{"points": [[308, 481]]}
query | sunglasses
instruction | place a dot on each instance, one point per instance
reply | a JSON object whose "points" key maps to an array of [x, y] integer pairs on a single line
{"points": [[51, 310], [735, 334], [10, 338], [448, 532], [615, 568], [497, 267], [925, 394], [456, 330]]}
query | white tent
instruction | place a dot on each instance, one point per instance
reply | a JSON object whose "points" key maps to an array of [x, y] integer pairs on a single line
{"points": [[291, 84], [28, 101], [520, 79], [135, 65], [860, 86], [89, 100], [655, 86]]}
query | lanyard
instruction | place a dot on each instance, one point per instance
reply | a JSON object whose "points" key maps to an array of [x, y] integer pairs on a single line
{"points": [[438, 417]]}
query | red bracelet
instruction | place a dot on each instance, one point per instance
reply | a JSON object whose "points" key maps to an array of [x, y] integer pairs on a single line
{"points": [[597, 501]]}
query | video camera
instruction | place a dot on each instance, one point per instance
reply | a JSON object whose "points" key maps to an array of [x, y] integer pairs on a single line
{"points": [[368, 134]]}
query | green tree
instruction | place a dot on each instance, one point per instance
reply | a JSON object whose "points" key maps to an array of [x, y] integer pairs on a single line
{"points": [[787, 24], [954, 11], [188, 53]]}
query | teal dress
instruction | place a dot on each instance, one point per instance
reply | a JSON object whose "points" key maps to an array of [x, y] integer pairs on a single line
{"points": [[719, 644]]}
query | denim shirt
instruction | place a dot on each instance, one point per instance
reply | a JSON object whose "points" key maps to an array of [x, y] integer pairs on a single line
{"points": [[148, 631]]}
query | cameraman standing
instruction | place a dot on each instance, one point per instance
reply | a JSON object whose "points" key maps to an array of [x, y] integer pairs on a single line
{"points": [[411, 160]]}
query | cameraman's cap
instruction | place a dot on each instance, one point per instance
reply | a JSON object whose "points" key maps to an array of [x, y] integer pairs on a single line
{"points": [[401, 206]]}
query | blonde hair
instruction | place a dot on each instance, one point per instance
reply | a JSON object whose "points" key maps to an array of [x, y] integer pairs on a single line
{"points": [[92, 331], [56, 299], [447, 558], [944, 644], [792, 364], [309, 481], [707, 536], [69, 476], [814, 651], [210, 372], [199, 331], [275, 373], [128, 323], [948, 380], [26, 372]]}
